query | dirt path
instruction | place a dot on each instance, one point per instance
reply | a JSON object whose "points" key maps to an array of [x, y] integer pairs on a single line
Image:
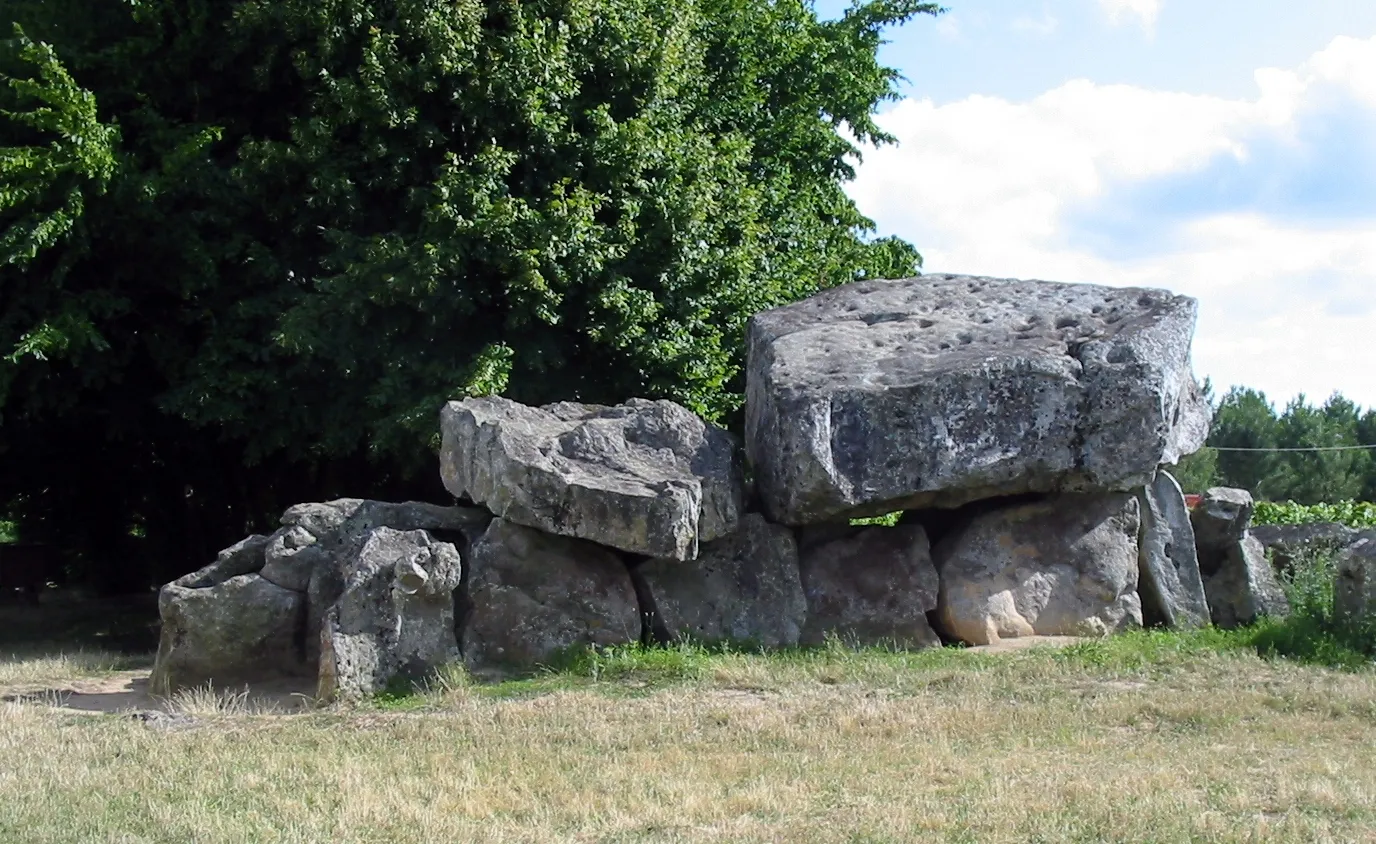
{"points": [[127, 691]]}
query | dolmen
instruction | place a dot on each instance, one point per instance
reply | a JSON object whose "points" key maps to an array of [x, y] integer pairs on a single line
{"points": [[1022, 429]]}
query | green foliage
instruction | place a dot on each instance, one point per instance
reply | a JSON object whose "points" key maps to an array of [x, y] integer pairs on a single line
{"points": [[1197, 472], [1314, 632], [1354, 514], [250, 247], [8, 532], [886, 520]]}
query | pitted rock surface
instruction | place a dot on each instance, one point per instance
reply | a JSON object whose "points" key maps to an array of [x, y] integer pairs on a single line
{"points": [[1065, 566], [646, 477], [870, 586], [1355, 587], [940, 390]]}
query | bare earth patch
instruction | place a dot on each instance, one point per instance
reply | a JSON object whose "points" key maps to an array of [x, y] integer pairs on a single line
{"points": [[1030, 746]]}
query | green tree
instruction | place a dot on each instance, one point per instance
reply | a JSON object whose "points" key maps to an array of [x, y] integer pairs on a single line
{"points": [[252, 245], [1314, 477], [1245, 419]]}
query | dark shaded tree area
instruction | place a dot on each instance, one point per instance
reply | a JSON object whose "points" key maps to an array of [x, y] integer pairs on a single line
{"points": [[248, 247], [1245, 419]]}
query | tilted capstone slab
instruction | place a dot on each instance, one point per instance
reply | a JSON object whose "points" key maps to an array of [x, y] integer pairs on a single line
{"points": [[940, 390]]}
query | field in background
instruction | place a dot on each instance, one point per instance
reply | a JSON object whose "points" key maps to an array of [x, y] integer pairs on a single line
{"points": [[1146, 737]]}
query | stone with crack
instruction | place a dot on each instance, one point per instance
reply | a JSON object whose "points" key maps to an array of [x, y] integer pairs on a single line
{"points": [[937, 391]]}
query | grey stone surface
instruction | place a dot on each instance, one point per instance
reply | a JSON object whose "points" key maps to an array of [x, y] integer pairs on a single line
{"points": [[291, 556], [742, 588], [395, 618], [1355, 589], [871, 586], [1066, 565], [532, 595], [357, 516], [1283, 543], [1220, 520], [1240, 585], [1168, 582], [240, 629], [646, 477], [936, 391], [243, 557]]}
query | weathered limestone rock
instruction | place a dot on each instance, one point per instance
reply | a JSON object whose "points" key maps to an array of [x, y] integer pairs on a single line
{"points": [[1238, 581], [1240, 585], [742, 588], [647, 477], [1283, 543], [872, 586], [395, 618], [1220, 519], [1168, 582], [1355, 590], [238, 629], [291, 556], [1063, 566], [243, 557], [532, 595], [941, 390]]}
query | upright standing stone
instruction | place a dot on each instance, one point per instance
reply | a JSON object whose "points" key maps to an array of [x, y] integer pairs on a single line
{"points": [[645, 477], [1238, 581], [533, 595], [1355, 590], [742, 588], [1062, 566], [395, 618], [1169, 582], [871, 586], [937, 391]]}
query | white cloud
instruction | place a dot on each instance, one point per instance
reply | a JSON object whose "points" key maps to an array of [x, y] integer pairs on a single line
{"points": [[1145, 11], [1261, 208], [1042, 26]]}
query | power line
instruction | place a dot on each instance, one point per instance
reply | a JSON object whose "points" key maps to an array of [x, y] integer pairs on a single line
{"points": [[1314, 448]]}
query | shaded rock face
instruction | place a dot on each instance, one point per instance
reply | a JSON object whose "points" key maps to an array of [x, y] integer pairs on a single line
{"points": [[533, 595], [395, 618], [742, 588], [1355, 590], [226, 631], [1168, 579], [871, 586], [645, 477], [940, 390], [1063, 566], [1241, 586]]}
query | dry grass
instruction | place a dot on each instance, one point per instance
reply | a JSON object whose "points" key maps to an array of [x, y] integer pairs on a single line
{"points": [[28, 667], [1081, 746]]}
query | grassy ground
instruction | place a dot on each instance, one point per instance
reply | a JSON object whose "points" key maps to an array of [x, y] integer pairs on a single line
{"points": [[1145, 737]]}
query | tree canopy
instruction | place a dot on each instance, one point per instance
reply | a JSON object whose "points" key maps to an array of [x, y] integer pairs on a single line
{"points": [[248, 247]]}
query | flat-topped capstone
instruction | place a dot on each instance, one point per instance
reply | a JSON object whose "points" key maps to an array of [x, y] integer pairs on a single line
{"points": [[940, 390]]}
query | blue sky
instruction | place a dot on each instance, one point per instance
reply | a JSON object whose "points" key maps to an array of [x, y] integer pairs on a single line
{"points": [[1223, 149]]}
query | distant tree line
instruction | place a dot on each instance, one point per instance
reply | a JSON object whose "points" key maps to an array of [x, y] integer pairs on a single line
{"points": [[249, 247], [1245, 419]]}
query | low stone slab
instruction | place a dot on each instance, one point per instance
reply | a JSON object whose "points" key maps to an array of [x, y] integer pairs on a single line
{"points": [[1284, 543], [239, 629], [1063, 566], [1355, 589], [646, 477], [532, 595], [395, 618], [940, 390], [871, 586], [1168, 579], [742, 588]]}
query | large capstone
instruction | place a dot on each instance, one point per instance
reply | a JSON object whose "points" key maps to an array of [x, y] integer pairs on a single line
{"points": [[1169, 582], [743, 588], [870, 586], [1062, 566], [646, 477], [937, 391], [533, 596], [395, 619]]}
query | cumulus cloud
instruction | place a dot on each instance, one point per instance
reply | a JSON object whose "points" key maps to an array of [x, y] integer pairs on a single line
{"points": [[1262, 208], [1143, 11]]}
